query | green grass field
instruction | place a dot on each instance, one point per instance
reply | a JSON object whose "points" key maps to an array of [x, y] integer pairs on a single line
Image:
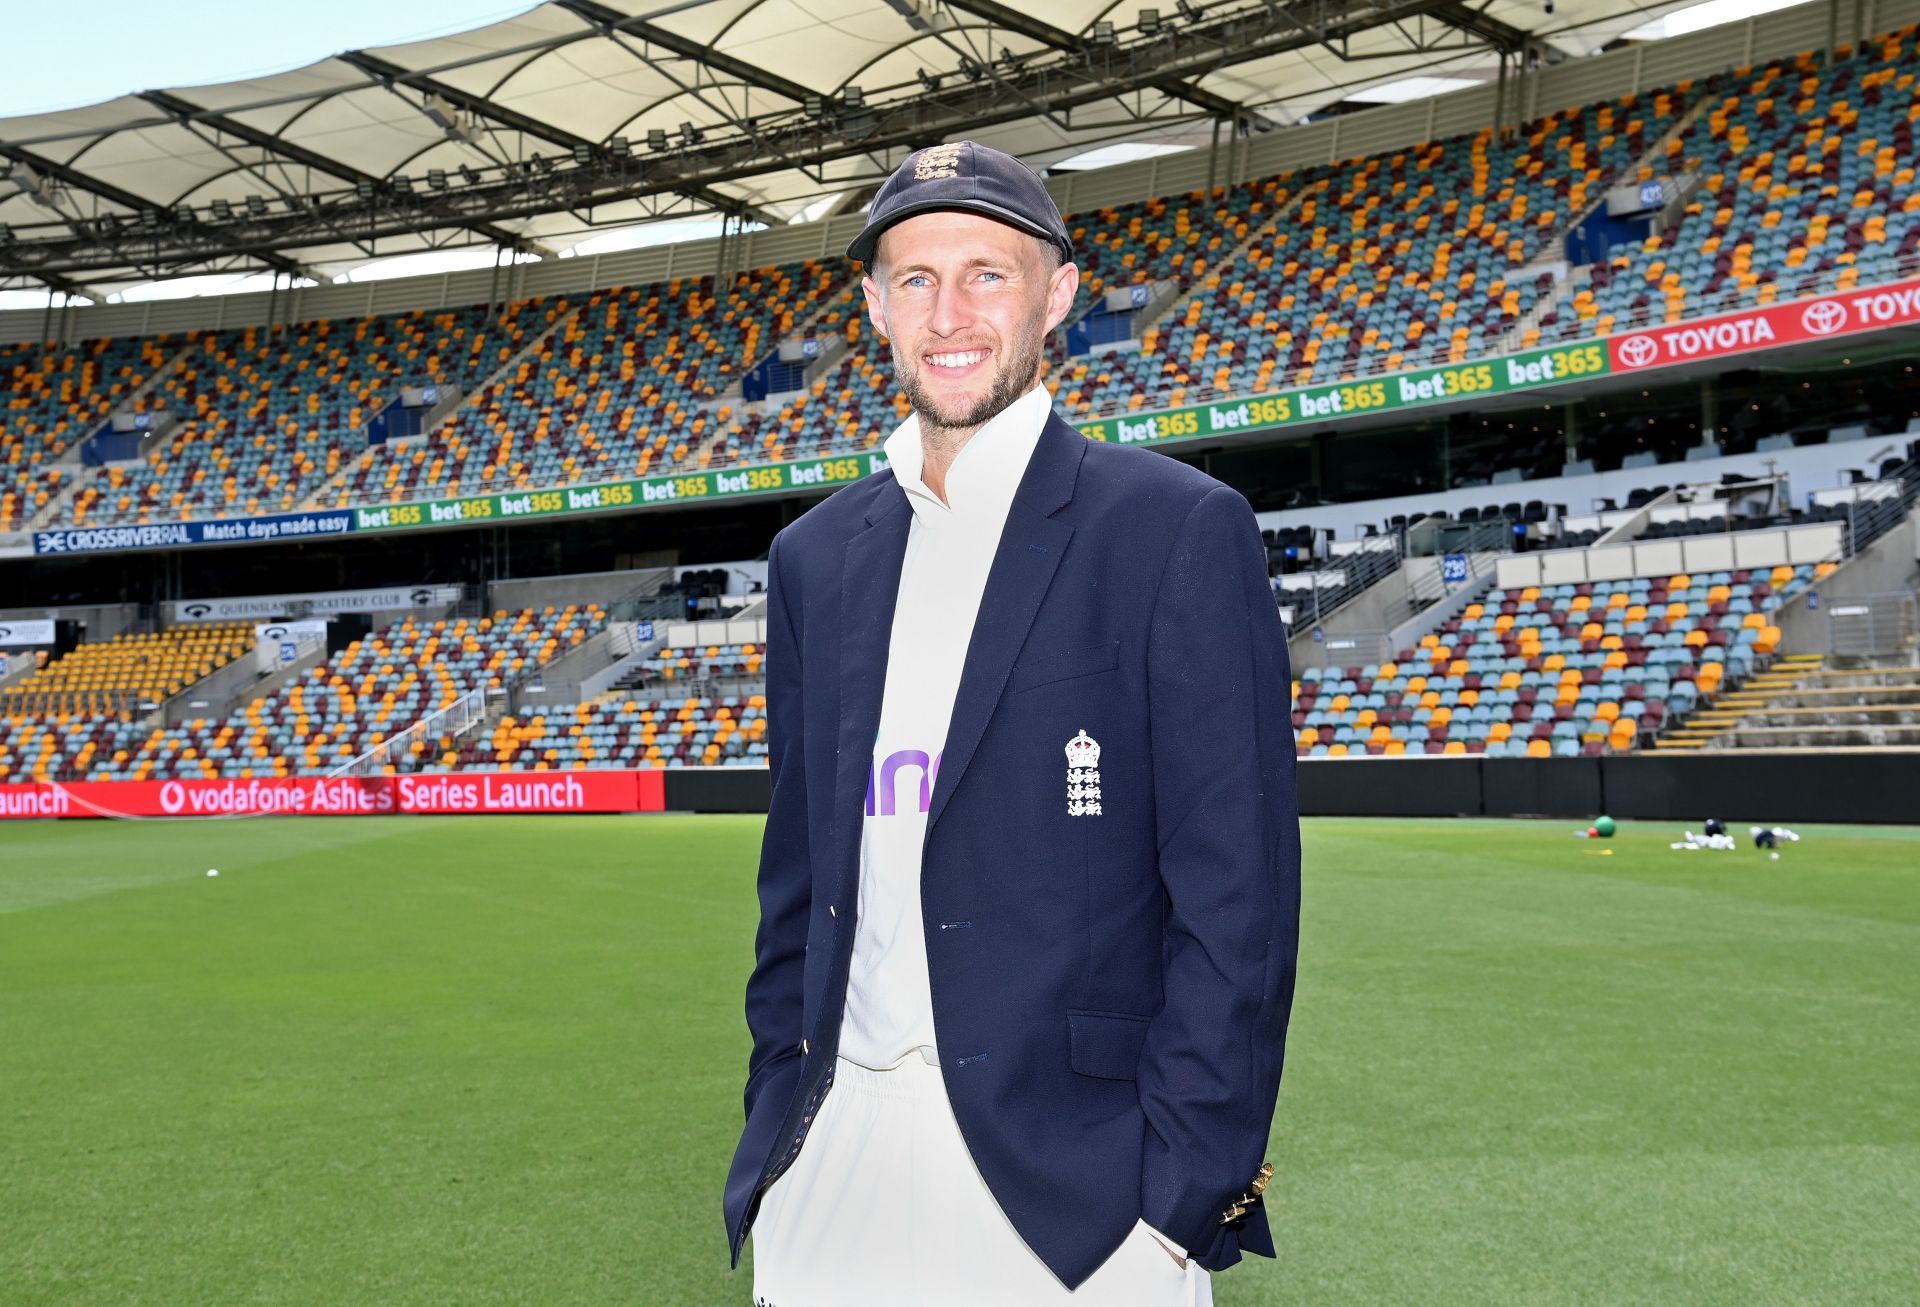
{"points": [[498, 1060]]}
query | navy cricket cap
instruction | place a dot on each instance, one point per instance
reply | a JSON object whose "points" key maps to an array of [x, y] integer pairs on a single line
{"points": [[963, 175]]}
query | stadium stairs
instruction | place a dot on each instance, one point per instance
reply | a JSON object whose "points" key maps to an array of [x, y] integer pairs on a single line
{"points": [[59, 505], [335, 491], [820, 327], [1804, 703], [55, 397], [1652, 163], [1553, 670], [1260, 237]]}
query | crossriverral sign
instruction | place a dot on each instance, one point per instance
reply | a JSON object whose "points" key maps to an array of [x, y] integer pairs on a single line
{"points": [[344, 796], [1749, 331]]}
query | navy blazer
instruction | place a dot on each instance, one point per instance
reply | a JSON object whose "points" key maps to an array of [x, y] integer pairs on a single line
{"points": [[1110, 991]]}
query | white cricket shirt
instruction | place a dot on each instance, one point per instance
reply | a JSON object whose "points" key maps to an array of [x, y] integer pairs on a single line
{"points": [[950, 547]]}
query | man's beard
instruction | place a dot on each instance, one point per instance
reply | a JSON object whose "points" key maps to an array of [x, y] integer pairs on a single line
{"points": [[1010, 382]]}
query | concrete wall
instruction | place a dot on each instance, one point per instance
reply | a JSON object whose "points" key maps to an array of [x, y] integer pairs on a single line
{"points": [[575, 588], [103, 621], [1818, 543], [215, 695], [1887, 565]]}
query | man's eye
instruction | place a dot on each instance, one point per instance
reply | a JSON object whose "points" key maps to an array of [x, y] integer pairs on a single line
{"points": [[915, 280], [994, 275]]}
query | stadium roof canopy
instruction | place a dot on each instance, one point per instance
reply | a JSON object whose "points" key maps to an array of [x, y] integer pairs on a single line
{"points": [[583, 115]]}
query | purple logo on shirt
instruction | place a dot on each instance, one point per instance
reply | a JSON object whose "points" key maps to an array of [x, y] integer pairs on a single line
{"points": [[883, 778]]}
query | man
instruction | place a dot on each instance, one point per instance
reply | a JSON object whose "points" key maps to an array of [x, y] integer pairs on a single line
{"points": [[1029, 886]]}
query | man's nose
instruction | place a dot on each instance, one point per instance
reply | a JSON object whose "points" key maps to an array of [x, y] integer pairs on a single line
{"points": [[951, 313]]}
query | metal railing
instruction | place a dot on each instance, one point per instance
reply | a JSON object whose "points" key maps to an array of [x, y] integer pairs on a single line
{"points": [[1340, 580], [1877, 507], [452, 721], [1867, 625]]}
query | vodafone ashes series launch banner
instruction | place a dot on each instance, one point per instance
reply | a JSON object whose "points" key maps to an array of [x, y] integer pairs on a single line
{"points": [[344, 796]]}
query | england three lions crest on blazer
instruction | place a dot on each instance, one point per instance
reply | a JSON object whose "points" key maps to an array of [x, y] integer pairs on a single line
{"points": [[1111, 1026]]}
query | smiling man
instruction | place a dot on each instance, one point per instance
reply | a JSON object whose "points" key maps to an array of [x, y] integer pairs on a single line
{"points": [[1029, 886]]}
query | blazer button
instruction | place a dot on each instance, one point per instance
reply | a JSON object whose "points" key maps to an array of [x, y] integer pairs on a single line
{"points": [[832, 911], [803, 1047]]}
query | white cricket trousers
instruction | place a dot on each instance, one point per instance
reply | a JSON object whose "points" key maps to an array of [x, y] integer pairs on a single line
{"points": [[885, 1208]]}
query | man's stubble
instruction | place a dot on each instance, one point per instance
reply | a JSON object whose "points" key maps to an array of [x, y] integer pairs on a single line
{"points": [[950, 430]]}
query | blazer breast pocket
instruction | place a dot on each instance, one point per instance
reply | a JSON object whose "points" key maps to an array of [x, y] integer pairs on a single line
{"points": [[1063, 665]]}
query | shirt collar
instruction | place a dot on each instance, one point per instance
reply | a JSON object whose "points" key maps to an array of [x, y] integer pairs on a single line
{"points": [[987, 471]]}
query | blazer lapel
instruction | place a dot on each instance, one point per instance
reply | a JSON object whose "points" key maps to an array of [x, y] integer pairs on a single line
{"points": [[1031, 545], [869, 586]]}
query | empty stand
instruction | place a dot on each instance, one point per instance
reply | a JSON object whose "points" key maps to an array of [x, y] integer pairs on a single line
{"points": [[370, 692], [128, 671], [1553, 670], [622, 389], [626, 732], [54, 397], [1807, 184], [269, 415]]}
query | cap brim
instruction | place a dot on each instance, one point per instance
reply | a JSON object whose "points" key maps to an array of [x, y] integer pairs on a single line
{"points": [[864, 244]]}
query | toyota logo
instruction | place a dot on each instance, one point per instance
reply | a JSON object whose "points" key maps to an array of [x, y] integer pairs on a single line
{"points": [[1638, 351], [1824, 317]]}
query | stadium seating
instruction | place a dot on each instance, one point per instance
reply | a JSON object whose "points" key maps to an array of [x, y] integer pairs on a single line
{"points": [[370, 692], [617, 392], [1432, 253], [266, 417], [628, 732], [1390, 262], [55, 397], [1807, 178], [1553, 671], [118, 674]]}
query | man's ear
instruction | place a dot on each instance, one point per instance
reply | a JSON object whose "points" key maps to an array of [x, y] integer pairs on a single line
{"points": [[876, 312], [1061, 288]]}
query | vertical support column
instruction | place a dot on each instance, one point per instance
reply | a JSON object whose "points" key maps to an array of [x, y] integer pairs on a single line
{"points": [[1709, 411], [1500, 98]]}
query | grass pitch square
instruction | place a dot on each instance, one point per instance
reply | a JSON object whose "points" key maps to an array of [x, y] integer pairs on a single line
{"points": [[499, 1060]]}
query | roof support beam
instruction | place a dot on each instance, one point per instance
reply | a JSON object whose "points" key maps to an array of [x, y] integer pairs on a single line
{"points": [[519, 122], [189, 113], [1469, 18], [1034, 29], [1054, 82], [610, 21], [113, 194]]}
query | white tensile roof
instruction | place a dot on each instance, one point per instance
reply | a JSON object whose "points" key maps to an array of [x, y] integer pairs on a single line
{"points": [[575, 70]]}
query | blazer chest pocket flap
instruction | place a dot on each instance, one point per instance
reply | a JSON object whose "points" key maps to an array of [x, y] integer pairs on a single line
{"points": [[1106, 1044], [1046, 668]]}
